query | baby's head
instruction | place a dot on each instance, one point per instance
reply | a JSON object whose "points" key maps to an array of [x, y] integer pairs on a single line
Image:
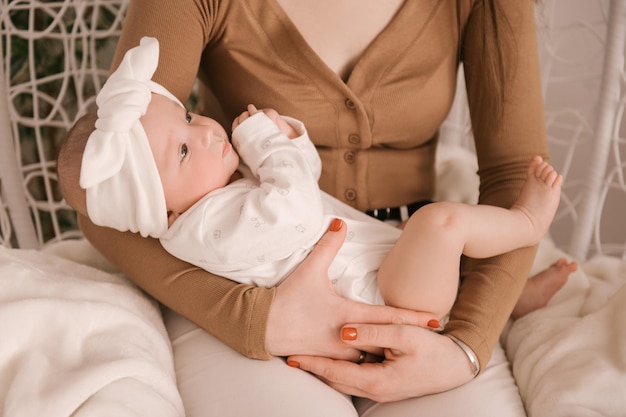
{"points": [[127, 188], [192, 153]]}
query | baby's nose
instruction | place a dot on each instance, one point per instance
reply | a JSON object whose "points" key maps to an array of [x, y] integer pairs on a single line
{"points": [[205, 136]]}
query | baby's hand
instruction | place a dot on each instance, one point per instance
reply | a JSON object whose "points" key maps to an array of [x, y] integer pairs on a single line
{"points": [[243, 116], [272, 114], [280, 122]]}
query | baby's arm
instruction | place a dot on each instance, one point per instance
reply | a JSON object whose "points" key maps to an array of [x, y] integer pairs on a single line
{"points": [[267, 217], [295, 131], [271, 155]]}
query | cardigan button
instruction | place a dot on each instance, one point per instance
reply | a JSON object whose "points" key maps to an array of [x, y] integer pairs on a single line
{"points": [[354, 139], [349, 157], [350, 104], [350, 194]]}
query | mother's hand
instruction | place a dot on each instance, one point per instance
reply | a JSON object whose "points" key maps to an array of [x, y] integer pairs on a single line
{"points": [[306, 314], [416, 362]]}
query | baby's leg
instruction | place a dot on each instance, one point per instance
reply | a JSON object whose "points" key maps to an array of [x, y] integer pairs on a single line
{"points": [[421, 271]]}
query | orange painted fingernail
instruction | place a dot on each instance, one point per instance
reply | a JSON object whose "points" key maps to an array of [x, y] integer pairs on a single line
{"points": [[348, 333], [434, 324], [293, 364], [335, 226]]}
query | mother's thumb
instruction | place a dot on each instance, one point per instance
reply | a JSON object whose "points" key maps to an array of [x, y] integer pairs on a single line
{"points": [[327, 247]]}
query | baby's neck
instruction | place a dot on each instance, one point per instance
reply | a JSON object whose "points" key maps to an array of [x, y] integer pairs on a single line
{"points": [[236, 176]]}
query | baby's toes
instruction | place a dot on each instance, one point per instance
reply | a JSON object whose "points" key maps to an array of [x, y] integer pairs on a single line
{"points": [[552, 178], [534, 168]]}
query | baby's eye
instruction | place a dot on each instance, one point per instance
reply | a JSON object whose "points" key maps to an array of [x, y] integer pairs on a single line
{"points": [[188, 117], [184, 150]]}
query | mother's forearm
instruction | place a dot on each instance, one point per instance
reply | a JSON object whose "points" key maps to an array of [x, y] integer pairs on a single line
{"points": [[488, 292]]}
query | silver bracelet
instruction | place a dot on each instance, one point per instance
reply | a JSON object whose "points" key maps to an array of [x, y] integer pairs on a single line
{"points": [[469, 352]]}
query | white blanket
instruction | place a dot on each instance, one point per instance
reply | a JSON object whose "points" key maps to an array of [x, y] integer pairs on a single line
{"points": [[569, 358], [77, 341]]}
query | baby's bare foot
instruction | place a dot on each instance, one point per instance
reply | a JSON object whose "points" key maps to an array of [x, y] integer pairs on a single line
{"points": [[540, 288], [539, 197]]}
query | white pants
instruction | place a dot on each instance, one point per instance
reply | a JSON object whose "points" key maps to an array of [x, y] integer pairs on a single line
{"points": [[214, 380]]}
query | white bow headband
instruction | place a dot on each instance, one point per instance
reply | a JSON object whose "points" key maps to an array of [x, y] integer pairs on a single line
{"points": [[118, 170]]}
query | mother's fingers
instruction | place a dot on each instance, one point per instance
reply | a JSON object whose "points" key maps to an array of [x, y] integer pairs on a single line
{"points": [[394, 340], [377, 380], [378, 314], [362, 380]]}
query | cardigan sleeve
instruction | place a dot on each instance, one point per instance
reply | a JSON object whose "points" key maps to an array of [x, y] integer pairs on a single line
{"points": [[506, 137]]}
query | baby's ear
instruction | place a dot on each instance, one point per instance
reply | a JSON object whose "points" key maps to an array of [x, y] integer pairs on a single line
{"points": [[171, 216]]}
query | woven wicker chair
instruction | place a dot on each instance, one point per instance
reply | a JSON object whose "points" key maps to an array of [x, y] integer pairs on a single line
{"points": [[55, 58]]}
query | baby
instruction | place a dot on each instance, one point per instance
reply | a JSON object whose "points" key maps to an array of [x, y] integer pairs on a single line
{"points": [[252, 211]]}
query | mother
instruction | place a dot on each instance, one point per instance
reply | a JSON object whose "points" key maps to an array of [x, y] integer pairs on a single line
{"points": [[373, 81]]}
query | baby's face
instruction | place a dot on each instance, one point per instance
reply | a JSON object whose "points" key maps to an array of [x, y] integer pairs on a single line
{"points": [[192, 152]]}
